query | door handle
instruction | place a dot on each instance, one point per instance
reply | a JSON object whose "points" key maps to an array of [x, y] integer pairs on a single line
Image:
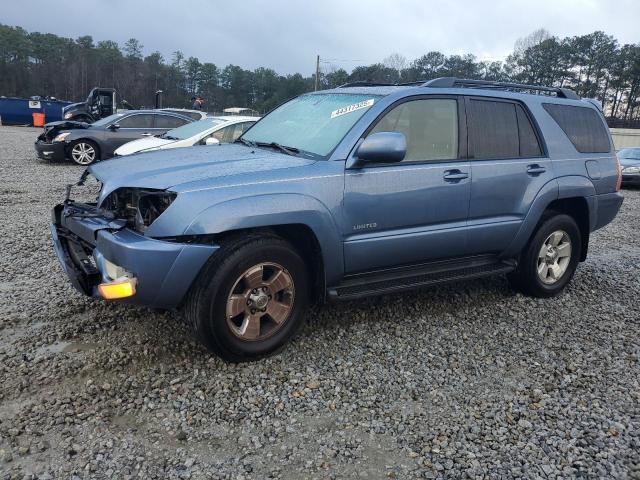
{"points": [[535, 169], [147, 134], [454, 175]]}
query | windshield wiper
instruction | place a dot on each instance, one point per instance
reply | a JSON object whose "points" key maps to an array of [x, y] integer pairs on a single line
{"points": [[288, 150], [169, 137], [248, 143]]}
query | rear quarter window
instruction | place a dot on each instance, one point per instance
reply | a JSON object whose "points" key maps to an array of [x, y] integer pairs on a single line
{"points": [[582, 125]]}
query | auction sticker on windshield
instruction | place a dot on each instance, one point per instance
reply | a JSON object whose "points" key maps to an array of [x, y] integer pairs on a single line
{"points": [[352, 108]]}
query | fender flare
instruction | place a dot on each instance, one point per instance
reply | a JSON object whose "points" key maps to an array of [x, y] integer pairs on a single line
{"points": [[270, 210], [564, 187], [579, 186]]}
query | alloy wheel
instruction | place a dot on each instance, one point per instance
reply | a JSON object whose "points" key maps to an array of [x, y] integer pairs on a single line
{"points": [[83, 153], [554, 257], [260, 302]]}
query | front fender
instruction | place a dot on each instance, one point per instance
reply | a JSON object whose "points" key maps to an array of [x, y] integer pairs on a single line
{"points": [[276, 209]]}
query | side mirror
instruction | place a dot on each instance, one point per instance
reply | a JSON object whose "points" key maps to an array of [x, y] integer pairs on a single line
{"points": [[212, 141], [114, 126], [383, 147]]}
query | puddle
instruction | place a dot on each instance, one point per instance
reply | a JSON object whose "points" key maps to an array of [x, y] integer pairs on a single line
{"points": [[127, 422], [66, 347]]}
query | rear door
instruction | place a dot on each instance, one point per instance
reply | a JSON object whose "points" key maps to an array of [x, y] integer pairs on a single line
{"points": [[508, 169], [164, 122], [413, 211]]}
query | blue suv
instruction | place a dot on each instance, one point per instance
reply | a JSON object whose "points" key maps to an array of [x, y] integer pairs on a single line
{"points": [[338, 194]]}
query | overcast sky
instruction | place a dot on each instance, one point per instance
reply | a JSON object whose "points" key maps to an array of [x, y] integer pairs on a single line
{"points": [[286, 35]]}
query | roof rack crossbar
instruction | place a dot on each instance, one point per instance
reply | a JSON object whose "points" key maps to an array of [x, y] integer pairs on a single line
{"points": [[451, 82]]}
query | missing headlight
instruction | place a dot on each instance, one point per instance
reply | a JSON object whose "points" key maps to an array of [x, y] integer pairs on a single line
{"points": [[139, 207], [86, 190]]}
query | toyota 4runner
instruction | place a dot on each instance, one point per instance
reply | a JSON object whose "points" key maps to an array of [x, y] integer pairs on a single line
{"points": [[338, 194]]}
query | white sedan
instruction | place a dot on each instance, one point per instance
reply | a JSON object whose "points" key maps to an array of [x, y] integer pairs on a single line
{"points": [[208, 131]]}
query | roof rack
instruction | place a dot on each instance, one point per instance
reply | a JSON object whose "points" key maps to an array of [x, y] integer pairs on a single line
{"points": [[366, 83], [451, 82]]}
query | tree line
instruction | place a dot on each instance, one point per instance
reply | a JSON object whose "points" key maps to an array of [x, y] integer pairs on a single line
{"points": [[596, 65]]}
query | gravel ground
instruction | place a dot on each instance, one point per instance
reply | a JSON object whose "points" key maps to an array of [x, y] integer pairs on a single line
{"points": [[462, 381]]}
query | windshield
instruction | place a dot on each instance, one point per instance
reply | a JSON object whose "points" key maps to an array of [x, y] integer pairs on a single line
{"points": [[107, 120], [191, 129], [630, 153], [312, 124]]}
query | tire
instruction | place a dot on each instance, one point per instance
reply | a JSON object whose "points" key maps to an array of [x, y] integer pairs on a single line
{"points": [[83, 152], [241, 269], [545, 273]]}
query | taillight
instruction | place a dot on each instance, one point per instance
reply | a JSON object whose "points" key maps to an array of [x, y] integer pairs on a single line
{"points": [[619, 181]]}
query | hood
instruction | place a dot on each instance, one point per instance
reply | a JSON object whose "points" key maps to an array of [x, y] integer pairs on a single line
{"points": [[52, 129], [629, 162], [143, 144], [179, 169], [73, 106]]}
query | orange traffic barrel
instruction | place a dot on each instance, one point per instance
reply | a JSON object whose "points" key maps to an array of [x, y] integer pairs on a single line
{"points": [[38, 119]]}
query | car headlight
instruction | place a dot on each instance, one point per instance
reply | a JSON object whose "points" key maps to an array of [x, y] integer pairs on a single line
{"points": [[631, 170], [61, 136], [139, 207], [68, 115]]}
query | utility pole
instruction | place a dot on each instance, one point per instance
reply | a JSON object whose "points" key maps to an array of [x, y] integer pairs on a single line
{"points": [[317, 73]]}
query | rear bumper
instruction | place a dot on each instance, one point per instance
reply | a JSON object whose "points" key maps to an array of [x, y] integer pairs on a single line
{"points": [[164, 270], [607, 207], [50, 151]]}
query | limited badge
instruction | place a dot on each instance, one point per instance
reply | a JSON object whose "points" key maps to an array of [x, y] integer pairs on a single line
{"points": [[352, 108]]}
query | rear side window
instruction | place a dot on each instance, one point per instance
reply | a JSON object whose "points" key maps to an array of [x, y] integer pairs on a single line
{"points": [[137, 121], [582, 125], [529, 146], [501, 130], [168, 121]]}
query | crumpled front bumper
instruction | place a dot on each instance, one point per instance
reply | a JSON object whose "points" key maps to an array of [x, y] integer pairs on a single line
{"points": [[51, 151], [164, 270]]}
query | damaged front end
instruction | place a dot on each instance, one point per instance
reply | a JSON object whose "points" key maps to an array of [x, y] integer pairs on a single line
{"points": [[50, 144], [103, 249]]}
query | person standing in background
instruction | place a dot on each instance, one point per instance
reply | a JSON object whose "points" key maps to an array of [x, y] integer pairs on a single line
{"points": [[198, 102]]}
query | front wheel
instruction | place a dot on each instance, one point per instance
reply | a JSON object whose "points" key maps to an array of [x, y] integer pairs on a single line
{"points": [[250, 298], [83, 152], [550, 259]]}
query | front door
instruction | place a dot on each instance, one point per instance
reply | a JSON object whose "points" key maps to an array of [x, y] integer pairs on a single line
{"points": [[416, 210], [130, 127], [508, 167]]}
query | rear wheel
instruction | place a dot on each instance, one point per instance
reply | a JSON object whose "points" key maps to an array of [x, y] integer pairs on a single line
{"points": [[550, 259], [250, 298], [83, 152]]}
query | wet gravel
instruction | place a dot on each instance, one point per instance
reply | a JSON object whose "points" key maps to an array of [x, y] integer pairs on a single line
{"points": [[462, 381]]}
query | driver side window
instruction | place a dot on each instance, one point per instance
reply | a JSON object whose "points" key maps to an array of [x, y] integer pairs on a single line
{"points": [[429, 126]]}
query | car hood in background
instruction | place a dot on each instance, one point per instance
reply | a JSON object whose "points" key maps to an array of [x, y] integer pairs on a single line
{"points": [[72, 106], [143, 144], [51, 129], [629, 162], [180, 169]]}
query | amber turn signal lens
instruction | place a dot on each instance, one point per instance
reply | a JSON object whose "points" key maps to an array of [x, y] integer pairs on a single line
{"points": [[119, 288]]}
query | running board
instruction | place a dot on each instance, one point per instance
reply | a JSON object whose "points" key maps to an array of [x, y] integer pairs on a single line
{"points": [[396, 280]]}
